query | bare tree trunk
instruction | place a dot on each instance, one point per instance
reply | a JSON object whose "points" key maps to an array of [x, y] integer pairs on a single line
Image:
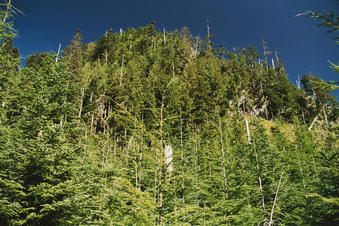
{"points": [[57, 56], [105, 153], [266, 52], [139, 175], [121, 70], [135, 164], [92, 115], [275, 200], [164, 31], [247, 131], [259, 179], [161, 161], [276, 56], [312, 124], [106, 53], [208, 32], [182, 157], [81, 101], [325, 115], [302, 175], [223, 159]]}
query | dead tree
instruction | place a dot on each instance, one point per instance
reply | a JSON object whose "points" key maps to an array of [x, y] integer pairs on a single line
{"points": [[266, 52], [168, 158], [57, 56], [208, 31]]}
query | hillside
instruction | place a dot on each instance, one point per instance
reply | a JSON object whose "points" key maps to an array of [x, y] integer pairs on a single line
{"points": [[144, 127]]}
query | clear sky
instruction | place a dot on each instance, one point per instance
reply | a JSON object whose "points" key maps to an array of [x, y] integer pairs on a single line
{"points": [[303, 47]]}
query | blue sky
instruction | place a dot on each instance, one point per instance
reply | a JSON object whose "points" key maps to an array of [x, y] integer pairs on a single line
{"points": [[303, 47]]}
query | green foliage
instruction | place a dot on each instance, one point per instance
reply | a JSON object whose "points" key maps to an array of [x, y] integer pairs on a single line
{"points": [[7, 12], [319, 89], [328, 20], [36, 59], [82, 139]]}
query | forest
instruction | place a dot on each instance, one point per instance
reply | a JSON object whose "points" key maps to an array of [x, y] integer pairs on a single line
{"points": [[150, 127]]}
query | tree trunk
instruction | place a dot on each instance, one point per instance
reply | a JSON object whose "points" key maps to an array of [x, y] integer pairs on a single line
{"points": [[259, 179], [161, 162], [247, 131], [223, 159], [275, 201], [81, 101], [312, 124]]}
